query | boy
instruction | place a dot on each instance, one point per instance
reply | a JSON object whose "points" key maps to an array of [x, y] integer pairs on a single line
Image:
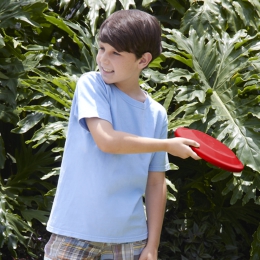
{"points": [[116, 151]]}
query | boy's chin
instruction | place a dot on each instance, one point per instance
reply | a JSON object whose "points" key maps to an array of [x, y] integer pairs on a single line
{"points": [[108, 82]]}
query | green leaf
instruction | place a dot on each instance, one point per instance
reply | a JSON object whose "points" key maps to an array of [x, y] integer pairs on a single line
{"points": [[15, 226], [146, 3], [53, 111], [156, 63], [62, 25], [51, 192], [110, 7], [55, 172], [221, 176], [127, 3], [237, 195], [50, 132], [8, 114], [2, 42], [170, 196], [175, 75], [230, 186], [27, 123], [182, 122], [40, 215], [168, 99], [255, 246], [190, 93], [3, 76], [30, 164], [2, 153], [177, 5], [171, 185], [180, 110], [212, 16]]}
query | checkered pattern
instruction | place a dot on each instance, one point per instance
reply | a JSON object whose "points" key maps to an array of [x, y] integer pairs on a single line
{"points": [[68, 248]]}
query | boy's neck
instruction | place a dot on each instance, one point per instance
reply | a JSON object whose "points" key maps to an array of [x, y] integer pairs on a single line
{"points": [[134, 92]]}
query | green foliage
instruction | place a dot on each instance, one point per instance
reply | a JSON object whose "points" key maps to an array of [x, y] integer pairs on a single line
{"points": [[213, 85], [221, 16], [225, 89], [218, 93], [207, 78], [22, 198], [201, 223], [255, 250]]}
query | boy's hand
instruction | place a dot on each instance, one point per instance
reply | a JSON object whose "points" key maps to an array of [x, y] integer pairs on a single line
{"points": [[180, 147], [149, 254]]}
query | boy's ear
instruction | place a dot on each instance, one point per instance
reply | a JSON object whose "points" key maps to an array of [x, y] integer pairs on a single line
{"points": [[145, 59]]}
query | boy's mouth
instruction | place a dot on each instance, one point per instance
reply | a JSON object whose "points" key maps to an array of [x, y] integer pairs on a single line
{"points": [[107, 70]]}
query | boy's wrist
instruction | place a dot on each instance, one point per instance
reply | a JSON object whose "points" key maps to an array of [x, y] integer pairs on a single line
{"points": [[152, 245], [166, 145]]}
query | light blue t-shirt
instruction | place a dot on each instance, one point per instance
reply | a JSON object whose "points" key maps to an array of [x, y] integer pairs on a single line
{"points": [[99, 195]]}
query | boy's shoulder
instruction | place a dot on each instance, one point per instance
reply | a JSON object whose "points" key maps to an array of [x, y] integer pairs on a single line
{"points": [[91, 79]]}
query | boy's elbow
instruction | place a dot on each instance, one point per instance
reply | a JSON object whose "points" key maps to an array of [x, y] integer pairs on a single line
{"points": [[106, 146]]}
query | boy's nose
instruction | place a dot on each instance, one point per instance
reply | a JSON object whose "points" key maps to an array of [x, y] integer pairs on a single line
{"points": [[104, 58]]}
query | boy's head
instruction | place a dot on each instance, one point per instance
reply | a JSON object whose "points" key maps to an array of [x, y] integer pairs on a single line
{"points": [[132, 31]]}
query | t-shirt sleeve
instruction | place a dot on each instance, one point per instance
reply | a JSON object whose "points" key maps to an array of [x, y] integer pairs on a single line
{"points": [[160, 160], [92, 99]]}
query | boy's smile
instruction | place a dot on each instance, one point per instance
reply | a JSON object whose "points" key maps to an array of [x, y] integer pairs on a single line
{"points": [[107, 71]]}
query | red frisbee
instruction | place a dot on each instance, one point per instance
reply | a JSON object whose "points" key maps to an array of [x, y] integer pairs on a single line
{"points": [[211, 150]]}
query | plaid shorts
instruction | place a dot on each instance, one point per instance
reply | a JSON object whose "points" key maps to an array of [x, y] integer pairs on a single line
{"points": [[68, 248]]}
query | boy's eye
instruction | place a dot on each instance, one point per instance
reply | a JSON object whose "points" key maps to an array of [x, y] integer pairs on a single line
{"points": [[101, 48]]}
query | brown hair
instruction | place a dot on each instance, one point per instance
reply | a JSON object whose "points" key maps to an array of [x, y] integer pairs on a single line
{"points": [[132, 31]]}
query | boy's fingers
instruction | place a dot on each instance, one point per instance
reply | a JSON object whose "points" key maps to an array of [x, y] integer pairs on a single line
{"points": [[192, 143], [195, 156]]}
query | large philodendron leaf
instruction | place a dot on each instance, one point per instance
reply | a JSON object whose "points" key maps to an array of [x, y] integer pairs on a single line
{"points": [[12, 11], [206, 15], [13, 228], [90, 10], [235, 122], [222, 15], [108, 6], [97, 9], [50, 132], [227, 88]]}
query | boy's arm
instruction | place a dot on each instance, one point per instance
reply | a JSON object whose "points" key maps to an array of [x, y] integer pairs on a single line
{"points": [[111, 141], [155, 200]]}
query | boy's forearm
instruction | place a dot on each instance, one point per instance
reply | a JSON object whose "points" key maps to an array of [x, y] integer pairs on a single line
{"points": [[155, 200], [117, 142], [125, 143]]}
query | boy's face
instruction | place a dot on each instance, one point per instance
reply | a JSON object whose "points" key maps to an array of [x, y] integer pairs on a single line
{"points": [[119, 68]]}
